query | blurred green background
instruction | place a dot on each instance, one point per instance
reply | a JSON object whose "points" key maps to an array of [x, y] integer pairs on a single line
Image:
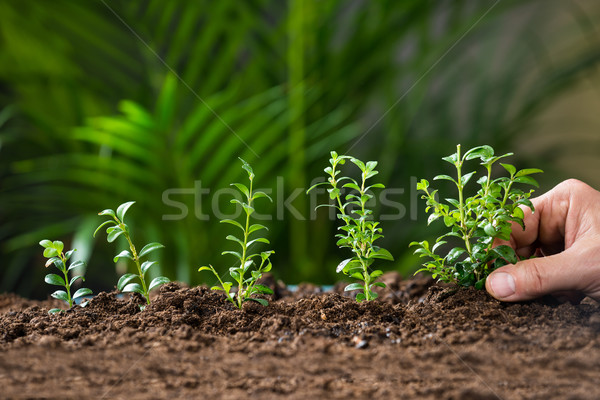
{"points": [[107, 101]]}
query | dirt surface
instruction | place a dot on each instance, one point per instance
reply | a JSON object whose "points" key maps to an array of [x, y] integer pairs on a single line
{"points": [[415, 342]]}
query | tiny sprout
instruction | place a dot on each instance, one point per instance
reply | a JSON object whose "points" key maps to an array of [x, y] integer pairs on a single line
{"points": [[246, 285], [477, 220], [54, 252], [359, 231], [117, 228]]}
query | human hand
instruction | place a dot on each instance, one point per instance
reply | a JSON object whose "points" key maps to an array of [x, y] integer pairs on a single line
{"points": [[564, 234]]}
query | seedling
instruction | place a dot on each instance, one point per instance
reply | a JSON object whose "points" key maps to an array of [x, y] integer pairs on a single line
{"points": [[246, 285], [478, 221], [359, 231], [54, 252], [117, 227]]}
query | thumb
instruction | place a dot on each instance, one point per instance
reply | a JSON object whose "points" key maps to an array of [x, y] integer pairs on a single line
{"points": [[533, 278]]}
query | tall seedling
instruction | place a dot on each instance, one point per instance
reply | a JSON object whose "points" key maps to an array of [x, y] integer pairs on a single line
{"points": [[117, 227], [250, 266], [359, 231]]}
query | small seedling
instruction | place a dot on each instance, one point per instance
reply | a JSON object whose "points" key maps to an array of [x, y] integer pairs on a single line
{"points": [[478, 220], [247, 285], [359, 231], [54, 252], [117, 228]]}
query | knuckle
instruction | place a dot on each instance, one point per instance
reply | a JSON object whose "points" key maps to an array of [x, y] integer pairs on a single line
{"points": [[573, 185], [535, 279]]}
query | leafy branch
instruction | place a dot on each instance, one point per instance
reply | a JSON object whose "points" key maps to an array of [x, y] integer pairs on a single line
{"points": [[54, 252], [359, 231], [478, 220], [247, 285], [117, 227]]}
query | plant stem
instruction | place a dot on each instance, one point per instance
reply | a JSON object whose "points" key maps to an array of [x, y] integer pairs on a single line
{"points": [[136, 259], [461, 201], [241, 292], [66, 275]]}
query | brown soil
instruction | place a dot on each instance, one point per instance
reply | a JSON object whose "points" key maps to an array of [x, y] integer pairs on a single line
{"points": [[416, 342]]}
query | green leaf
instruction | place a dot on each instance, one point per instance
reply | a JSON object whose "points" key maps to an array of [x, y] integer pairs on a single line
{"points": [[50, 252], [261, 240], [81, 292], [234, 274], [466, 178], [352, 185], [54, 279], [527, 180], [122, 209], [449, 221], [234, 253], [510, 168], [506, 252], [69, 253], [528, 171], [481, 152], [113, 233], [452, 159], [260, 301], [343, 264], [242, 188], [256, 227], [379, 284], [124, 280], [123, 254], [376, 274], [444, 178], [108, 211], [54, 311], [74, 279], [45, 243], [159, 280], [248, 168], [61, 295], [58, 245], [454, 254], [361, 297], [133, 288], [490, 230], [76, 264], [146, 265], [263, 289], [354, 286], [205, 268], [359, 164], [150, 247], [518, 213], [234, 239], [102, 225], [232, 222], [259, 194], [382, 254]]}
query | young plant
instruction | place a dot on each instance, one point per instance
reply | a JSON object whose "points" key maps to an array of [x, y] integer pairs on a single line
{"points": [[246, 284], [478, 218], [359, 231], [54, 252], [117, 228]]}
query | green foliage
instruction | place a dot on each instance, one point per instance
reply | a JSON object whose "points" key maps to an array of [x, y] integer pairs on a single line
{"points": [[116, 228], [359, 231], [246, 285], [54, 252], [479, 220]]}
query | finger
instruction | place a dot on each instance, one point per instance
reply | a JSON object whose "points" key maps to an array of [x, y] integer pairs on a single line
{"points": [[536, 277]]}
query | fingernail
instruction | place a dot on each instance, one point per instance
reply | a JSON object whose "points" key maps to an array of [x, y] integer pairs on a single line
{"points": [[503, 284]]}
